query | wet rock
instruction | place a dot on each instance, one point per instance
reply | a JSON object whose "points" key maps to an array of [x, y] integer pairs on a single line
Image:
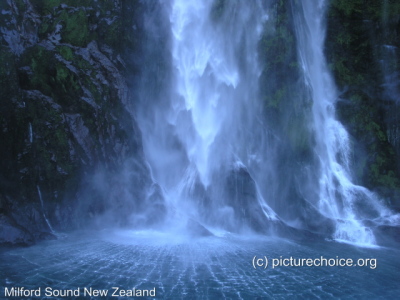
{"points": [[387, 235], [318, 223], [13, 234], [242, 195], [154, 206], [66, 115]]}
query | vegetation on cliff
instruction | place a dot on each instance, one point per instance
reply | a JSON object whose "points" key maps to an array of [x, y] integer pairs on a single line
{"points": [[64, 107], [358, 34]]}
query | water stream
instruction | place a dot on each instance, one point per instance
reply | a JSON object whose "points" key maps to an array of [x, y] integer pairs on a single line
{"points": [[206, 140], [200, 140], [339, 198], [43, 211]]}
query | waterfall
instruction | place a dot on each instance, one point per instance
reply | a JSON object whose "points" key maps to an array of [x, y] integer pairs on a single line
{"points": [[207, 138], [200, 135], [30, 133], [215, 76], [42, 205], [339, 198]]}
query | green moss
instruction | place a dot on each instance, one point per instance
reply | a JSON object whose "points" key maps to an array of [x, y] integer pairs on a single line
{"points": [[4, 5], [362, 118], [275, 100], [82, 64], [66, 52], [48, 151], [67, 80], [49, 5], [50, 76], [105, 5], [380, 176], [111, 34], [44, 29], [41, 69], [347, 7], [356, 31], [350, 49], [21, 6], [279, 57], [40, 61], [75, 27], [61, 73], [46, 7]]}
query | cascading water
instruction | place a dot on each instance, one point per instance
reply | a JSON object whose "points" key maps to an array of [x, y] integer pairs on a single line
{"points": [[42, 206], [199, 144], [30, 133], [205, 137], [339, 198]]}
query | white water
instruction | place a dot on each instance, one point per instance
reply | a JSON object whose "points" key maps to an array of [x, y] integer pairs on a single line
{"points": [[30, 133], [208, 123], [339, 198], [205, 130], [43, 212], [213, 98]]}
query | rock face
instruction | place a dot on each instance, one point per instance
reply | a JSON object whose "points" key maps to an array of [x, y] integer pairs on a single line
{"points": [[362, 47], [66, 128]]}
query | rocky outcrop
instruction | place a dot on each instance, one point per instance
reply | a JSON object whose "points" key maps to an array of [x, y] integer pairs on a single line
{"points": [[362, 49], [66, 128]]}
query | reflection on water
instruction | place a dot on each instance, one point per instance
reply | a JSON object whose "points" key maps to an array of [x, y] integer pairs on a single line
{"points": [[202, 268]]}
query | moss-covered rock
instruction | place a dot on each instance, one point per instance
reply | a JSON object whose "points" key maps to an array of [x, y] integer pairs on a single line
{"points": [[286, 106], [287, 111], [356, 34], [63, 114], [278, 55]]}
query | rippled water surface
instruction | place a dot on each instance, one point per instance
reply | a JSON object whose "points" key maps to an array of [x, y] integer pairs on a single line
{"points": [[202, 268]]}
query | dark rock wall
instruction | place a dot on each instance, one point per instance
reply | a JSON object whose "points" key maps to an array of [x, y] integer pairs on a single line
{"points": [[362, 47], [66, 127], [287, 107]]}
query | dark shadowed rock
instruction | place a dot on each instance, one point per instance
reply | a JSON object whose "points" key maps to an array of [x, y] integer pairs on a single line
{"points": [[13, 234], [154, 207], [387, 235], [67, 114]]}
